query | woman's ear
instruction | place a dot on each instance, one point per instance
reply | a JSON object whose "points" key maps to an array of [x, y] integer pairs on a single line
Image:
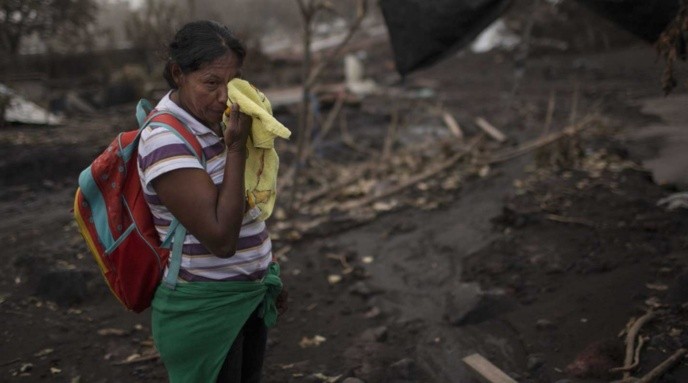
{"points": [[177, 74]]}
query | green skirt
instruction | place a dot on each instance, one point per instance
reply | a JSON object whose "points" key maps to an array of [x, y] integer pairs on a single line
{"points": [[195, 324]]}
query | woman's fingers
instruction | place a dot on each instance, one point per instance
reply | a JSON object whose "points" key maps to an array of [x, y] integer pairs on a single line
{"points": [[238, 127], [233, 113]]}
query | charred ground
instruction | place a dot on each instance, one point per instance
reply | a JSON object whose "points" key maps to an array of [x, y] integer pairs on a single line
{"points": [[528, 262]]}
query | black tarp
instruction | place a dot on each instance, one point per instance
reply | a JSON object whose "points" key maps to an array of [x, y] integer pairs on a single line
{"points": [[423, 32], [644, 18]]}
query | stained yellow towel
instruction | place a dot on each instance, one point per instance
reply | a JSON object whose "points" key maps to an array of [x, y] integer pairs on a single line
{"points": [[262, 163]]}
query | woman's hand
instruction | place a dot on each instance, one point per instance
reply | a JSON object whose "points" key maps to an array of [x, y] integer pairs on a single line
{"points": [[237, 129], [212, 214]]}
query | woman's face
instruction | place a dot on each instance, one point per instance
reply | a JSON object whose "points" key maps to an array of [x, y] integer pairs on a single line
{"points": [[203, 92]]}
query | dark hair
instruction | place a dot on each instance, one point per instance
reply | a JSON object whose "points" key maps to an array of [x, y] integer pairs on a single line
{"points": [[198, 43]]}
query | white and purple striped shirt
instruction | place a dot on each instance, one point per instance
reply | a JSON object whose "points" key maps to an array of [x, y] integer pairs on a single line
{"points": [[161, 151]]}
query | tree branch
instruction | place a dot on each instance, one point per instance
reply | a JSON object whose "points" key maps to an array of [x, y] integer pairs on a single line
{"points": [[362, 9]]}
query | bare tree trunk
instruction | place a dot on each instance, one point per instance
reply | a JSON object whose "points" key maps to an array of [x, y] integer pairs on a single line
{"points": [[522, 54], [310, 77], [192, 8], [304, 107]]}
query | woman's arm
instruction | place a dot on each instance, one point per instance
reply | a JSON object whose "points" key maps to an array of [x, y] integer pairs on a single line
{"points": [[212, 214]]}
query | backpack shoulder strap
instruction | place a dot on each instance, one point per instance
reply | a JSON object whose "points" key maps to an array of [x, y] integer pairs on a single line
{"points": [[170, 120], [145, 115]]}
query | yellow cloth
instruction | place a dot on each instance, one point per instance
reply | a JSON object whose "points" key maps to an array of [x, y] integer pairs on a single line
{"points": [[262, 163]]}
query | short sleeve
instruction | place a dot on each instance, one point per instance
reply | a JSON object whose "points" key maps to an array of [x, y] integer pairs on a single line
{"points": [[161, 151]]}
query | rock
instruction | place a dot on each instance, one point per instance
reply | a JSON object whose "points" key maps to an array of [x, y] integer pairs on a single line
{"points": [[360, 288], [535, 361], [377, 334], [64, 287], [372, 313], [468, 304], [461, 302], [544, 324], [352, 380], [403, 369]]}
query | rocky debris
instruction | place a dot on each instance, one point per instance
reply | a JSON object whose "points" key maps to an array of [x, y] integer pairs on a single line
{"points": [[402, 371], [377, 334], [468, 304], [361, 289], [535, 361], [461, 302], [545, 324]]}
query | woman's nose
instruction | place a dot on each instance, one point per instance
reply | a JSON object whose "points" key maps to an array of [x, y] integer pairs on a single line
{"points": [[222, 94]]}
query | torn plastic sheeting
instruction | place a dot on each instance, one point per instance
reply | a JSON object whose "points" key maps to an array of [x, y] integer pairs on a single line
{"points": [[424, 32], [23, 111]]}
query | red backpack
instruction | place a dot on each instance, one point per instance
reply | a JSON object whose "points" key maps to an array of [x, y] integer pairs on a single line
{"points": [[116, 222]]}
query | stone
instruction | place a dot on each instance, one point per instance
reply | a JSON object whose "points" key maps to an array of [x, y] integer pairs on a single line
{"points": [[402, 369], [361, 289], [377, 334], [544, 324], [535, 361]]}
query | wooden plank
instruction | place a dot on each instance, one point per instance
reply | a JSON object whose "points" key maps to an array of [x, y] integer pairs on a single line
{"points": [[488, 371]]}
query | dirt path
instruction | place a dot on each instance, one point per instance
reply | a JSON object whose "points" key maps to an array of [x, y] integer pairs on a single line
{"points": [[527, 267]]}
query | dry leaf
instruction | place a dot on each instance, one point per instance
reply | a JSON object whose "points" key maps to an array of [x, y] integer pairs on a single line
{"points": [[132, 357], [112, 331], [43, 352], [653, 302], [484, 171], [26, 367], [147, 343], [657, 286], [451, 183], [372, 313], [312, 342], [327, 379], [385, 206]]}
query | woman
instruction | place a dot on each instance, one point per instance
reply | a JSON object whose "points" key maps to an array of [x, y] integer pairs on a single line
{"points": [[226, 285]]}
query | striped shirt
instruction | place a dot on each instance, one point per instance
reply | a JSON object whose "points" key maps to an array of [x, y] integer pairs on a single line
{"points": [[161, 151]]}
